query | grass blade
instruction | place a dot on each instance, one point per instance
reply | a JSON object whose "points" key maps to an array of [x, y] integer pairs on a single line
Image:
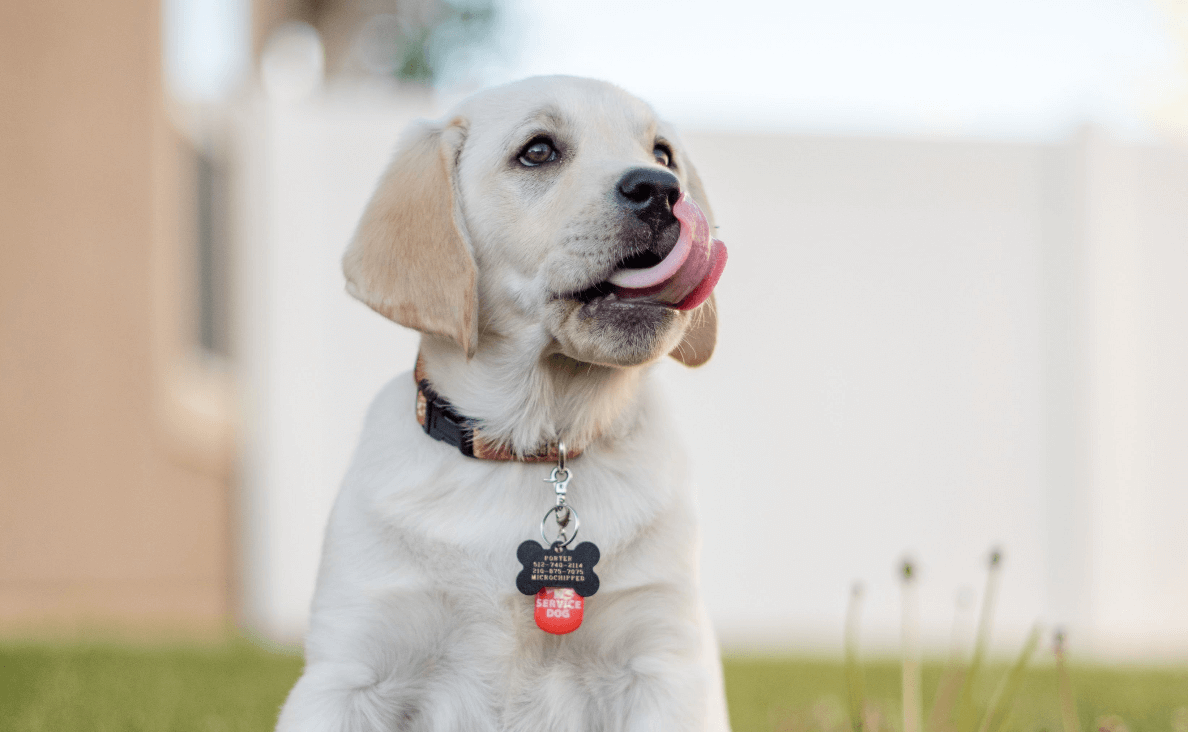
{"points": [[1068, 702], [1004, 694], [854, 682], [949, 685], [966, 714], [912, 701]]}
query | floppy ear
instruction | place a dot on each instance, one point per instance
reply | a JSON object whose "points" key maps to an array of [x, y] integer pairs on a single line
{"points": [[698, 344], [410, 259]]}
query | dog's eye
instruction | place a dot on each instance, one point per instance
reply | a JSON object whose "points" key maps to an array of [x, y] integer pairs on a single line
{"points": [[538, 151], [663, 155]]}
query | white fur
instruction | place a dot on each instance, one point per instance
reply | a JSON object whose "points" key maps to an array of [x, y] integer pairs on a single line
{"points": [[417, 623]]}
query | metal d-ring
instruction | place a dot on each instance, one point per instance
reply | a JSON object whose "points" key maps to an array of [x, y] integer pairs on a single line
{"points": [[563, 538]]}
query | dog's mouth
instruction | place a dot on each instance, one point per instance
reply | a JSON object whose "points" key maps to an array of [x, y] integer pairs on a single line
{"points": [[606, 290], [682, 279]]}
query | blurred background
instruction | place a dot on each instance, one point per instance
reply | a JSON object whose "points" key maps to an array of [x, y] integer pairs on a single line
{"points": [[955, 304]]}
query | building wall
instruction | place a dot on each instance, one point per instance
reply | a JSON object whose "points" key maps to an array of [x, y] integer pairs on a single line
{"points": [[970, 344], [115, 445]]}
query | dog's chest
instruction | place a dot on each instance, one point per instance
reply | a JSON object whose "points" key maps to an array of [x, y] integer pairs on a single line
{"points": [[496, 656]]}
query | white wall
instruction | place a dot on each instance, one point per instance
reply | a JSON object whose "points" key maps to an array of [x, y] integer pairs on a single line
{"points": [[311, 358], [928, 347], [878, 386]]}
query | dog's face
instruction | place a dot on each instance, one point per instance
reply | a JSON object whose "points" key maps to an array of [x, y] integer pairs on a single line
{"points": [[511, 217]]}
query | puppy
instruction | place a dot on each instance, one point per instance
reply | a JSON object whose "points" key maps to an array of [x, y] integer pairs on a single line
{"points": [[524, 236]]}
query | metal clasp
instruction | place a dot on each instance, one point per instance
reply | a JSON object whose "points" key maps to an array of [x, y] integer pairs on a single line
{"points": [[560, 480], [562, 512]]}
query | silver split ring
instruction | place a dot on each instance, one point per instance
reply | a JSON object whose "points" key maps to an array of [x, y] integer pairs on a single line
{"points": [[562, 534]]}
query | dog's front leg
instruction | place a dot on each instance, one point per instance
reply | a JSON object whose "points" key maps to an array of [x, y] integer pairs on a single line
{"points": [[670, 677], [666, 694], [347, 697], [399, 661]]}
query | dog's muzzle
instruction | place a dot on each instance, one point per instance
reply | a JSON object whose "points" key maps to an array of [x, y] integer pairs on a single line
{"points": [[687, 274]]}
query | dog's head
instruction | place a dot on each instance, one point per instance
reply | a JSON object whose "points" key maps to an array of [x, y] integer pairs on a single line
{"points": [[512, 215]]}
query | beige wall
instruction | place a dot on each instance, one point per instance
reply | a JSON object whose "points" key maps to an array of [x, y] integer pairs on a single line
{"points": [[114, 453]]}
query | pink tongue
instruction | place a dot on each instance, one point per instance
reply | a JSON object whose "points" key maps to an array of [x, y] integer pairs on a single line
{"points": [[686, 277]]}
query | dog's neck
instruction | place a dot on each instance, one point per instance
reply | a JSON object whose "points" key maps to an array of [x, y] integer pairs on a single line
{"points": [[525, 397]]}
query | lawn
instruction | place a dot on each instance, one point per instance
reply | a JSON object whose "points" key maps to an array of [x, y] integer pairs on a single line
{"points": [[238, 687]]}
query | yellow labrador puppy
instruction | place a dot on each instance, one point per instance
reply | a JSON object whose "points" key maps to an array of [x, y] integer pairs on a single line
{"points": [[550, 240]]}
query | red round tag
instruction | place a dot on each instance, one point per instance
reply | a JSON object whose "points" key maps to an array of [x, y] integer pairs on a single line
{"points": [[559, 610]]}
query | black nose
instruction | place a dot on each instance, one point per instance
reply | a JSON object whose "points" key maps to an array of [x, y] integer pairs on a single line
{"points": [[650, 193]]}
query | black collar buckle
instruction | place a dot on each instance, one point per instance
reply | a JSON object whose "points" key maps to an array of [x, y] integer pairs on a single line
{"points": [[442, 422]]}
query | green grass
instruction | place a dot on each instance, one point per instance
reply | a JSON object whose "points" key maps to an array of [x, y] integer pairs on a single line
{"points": [[810, 696], [227, 688], [238, 687]]}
